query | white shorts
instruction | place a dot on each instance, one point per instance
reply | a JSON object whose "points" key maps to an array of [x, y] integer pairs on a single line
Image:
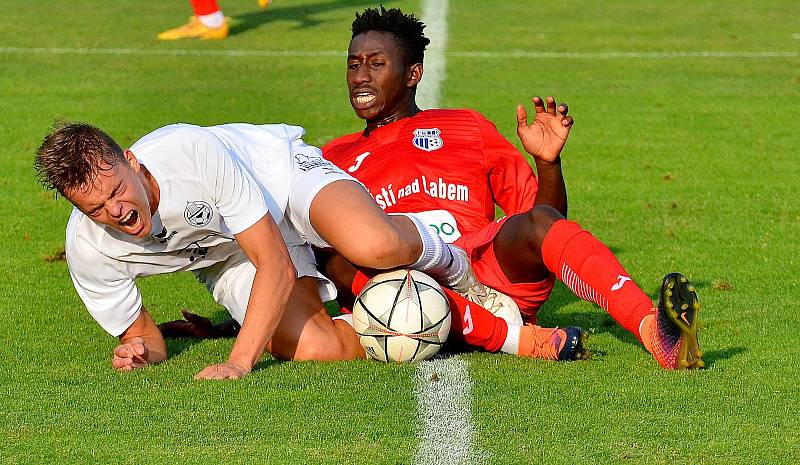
{"points": [[311, 173], [230, 281]]}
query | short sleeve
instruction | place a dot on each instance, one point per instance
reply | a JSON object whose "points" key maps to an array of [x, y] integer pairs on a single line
{"points": [[106, 289], [237, 195], [511, 178]]}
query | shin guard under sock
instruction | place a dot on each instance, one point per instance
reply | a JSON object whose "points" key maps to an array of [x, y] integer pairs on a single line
{"points": [[593, 273]]}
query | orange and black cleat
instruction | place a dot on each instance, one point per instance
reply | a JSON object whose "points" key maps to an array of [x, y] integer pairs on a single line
{"points": [[674, 341], [553, 343]]}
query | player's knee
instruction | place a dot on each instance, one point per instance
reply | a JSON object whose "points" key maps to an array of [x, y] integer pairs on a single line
{"points": [[543, 216], [540, 219], [324, 351], [381, 249]]}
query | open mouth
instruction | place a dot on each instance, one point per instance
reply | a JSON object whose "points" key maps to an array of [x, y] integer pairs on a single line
{"points": [[129, 222], [362, 99]]}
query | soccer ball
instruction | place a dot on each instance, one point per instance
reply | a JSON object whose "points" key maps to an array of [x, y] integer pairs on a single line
{"points": [[401, 316]]}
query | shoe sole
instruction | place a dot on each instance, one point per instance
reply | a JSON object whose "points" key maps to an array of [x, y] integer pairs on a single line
{"points": [[680, 303], [581, 352], [578, 341]]}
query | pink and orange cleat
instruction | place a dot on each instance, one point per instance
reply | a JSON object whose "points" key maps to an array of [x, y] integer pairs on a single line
{"points": [[671, 333]]}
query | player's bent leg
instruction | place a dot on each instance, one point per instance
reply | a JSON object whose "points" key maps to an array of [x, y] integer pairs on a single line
{"points": [[582, 263], [348, 219], [307, 332], [518, 245]]}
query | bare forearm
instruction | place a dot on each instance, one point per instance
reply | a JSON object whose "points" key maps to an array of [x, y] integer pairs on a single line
{"points": [[268, 299], [552, 190], [157, 349], [145, 328]]}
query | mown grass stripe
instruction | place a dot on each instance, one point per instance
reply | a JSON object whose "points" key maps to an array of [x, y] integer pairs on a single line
{"points": [[428, 63]]}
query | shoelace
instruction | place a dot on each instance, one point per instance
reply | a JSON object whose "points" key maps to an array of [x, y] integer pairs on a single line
{"points": [[545, 348], [484, 296]]}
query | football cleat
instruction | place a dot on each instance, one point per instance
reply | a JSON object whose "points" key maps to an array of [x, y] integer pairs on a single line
{"points": [[553, 343], [476, 292], [194, 29], [673, 341], [264, 3]]}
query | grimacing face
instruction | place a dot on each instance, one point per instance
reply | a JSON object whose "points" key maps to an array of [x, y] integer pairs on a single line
{"points": [[380, 82], [117, 197]]}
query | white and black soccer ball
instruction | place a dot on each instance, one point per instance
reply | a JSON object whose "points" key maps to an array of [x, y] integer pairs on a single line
{"points": [[401, 316]]}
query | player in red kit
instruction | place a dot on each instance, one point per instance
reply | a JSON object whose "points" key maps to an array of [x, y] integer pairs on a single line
{"points": [[453, 167]]}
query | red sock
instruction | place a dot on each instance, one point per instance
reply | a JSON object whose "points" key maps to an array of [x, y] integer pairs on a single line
{"points": [[204, 7], [470, 322], [593, 273]]}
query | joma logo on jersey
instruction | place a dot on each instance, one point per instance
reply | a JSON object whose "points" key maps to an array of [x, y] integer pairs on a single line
{"points": [[428, 139], [198, 213]]}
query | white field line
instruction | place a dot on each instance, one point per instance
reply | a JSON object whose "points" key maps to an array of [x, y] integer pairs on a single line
{"points": [[666, 55], [444, 388], [444, 396], [434, 15]]}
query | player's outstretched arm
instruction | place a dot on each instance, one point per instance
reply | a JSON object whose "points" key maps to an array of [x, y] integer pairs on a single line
{"points": [[272, 285], [141, 344], [545, 136]]}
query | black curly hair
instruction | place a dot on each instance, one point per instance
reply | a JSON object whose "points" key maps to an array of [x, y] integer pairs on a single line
{"points": [[405, 28]]}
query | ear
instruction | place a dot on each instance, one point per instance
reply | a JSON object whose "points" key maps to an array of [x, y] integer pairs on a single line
{"points": [[133, 161], [414, 74]]}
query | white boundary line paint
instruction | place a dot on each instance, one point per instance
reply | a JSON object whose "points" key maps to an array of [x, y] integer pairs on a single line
{"points": [[444, 396], [434, 15], [666, 55], [443, 385], [171, 52]]}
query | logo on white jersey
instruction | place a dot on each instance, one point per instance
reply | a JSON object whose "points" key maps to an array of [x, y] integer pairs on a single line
{"points": [[359, 161], [468, 325], [198, 213], [307, 162], [428, 139], [621, 282]]}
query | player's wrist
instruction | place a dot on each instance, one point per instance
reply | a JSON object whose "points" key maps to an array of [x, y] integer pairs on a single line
{"points": [[242, 366], [546, 165]]}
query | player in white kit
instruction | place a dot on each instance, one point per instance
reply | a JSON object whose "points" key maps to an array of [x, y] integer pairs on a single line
{"points": [[238, 205]]}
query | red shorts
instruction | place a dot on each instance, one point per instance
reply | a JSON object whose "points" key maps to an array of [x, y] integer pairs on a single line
{"points": [[480, 248]]}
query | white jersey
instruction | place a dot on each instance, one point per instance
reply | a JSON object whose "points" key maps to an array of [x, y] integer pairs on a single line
{"points": [[214, 182]]}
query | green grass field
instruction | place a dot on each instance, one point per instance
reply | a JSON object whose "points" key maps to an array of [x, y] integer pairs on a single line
{"points": [[677, 161]]}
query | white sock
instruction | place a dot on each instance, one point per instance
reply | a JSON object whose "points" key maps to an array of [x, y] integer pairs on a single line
{"points": [[348, 318], [215, 20], [511, 344], [437, 259]]}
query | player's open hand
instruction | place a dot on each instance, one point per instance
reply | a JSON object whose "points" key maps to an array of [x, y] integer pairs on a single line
{"points": [[130, 355], [546, 135], [199, 327], [227, 370]]}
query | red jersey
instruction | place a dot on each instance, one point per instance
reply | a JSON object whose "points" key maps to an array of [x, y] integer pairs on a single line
{"points": [[451, 163]]}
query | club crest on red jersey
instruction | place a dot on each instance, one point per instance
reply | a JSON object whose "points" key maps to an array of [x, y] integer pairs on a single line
{"points": [[428, 139]]}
